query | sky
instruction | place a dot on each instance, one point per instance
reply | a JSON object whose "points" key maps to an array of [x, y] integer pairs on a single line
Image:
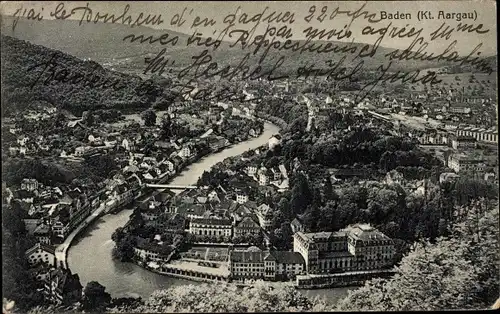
{"points": [[485, 9]]}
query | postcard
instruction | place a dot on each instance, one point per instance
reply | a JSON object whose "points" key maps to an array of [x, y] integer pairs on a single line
{"points": [[249, 156]]}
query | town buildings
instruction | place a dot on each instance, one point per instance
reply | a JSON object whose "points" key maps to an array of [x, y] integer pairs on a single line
{"points": [[467, 163], [210, 227], [41, 254], [264, 214], [29, 185], [463, 142], [283, 265], [43, 234], [268, 265], [358, 247], [296, 225], [149, 251], [62, 287], [247, 226], [274, 141], [480, 134]]}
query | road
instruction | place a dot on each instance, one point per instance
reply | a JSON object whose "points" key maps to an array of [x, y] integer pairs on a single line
{"points": [[62, 249], [418, 123]]}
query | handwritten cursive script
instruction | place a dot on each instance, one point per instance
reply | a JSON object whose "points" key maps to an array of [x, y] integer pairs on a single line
{"points": [[339, 42]]}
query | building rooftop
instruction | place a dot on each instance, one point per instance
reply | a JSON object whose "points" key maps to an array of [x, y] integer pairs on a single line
{"points": [[212, 221], [247, 257], [249, 220], [466, 138], [365, 232], [286, 257], [468, 156], [44, 247], [321, 236], [191, 209], [66, 281], [42, 230]]}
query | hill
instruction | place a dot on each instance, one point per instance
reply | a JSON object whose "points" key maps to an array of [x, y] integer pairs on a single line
{"points": [[32, 73], [100, 42]]}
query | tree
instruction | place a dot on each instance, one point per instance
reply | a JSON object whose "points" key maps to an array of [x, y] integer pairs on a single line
{"points": [[88, 118], [124, 249], [167, 127], [262, 297], [238, 239], [118, 235], [312, 217], [13, 219], [17, 282], [301, 194], [95, 297], [329, 194], [149, 117], [456, 272], [284, 207], [101, 165], [381, 203]]}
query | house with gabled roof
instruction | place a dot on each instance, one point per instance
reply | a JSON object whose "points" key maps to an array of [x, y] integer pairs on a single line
{"points": [[43, 234], [264, 175], [150, 175], [62, 287], [251, 170], [296, 225], [41, 253], [29, 184], [264, 214], [191, 211], [247, 226], [170, 166]]}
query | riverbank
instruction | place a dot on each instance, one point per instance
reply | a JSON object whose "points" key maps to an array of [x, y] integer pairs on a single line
{"points": [[131, 280], [127, 279], [192, 271], [105, 208], [62, 250]]}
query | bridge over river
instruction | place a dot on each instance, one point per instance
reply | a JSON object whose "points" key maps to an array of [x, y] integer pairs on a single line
{"points": [[90, 256], [171, 186]]}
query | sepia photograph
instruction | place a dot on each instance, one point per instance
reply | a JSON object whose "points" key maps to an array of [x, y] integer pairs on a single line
{"points": [[249, 156]]}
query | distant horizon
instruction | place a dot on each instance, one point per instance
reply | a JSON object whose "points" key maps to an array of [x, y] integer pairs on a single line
{"points": [[217, 9], [484, 54]]}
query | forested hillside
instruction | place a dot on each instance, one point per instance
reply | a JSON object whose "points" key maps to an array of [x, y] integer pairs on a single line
{"points": [[32, 73], [456, 272]]}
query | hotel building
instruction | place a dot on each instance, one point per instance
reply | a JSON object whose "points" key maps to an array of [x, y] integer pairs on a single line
{"points": [[358, 247]]}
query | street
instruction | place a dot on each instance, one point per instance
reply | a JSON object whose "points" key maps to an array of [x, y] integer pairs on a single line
{"points": [[61, 250]]}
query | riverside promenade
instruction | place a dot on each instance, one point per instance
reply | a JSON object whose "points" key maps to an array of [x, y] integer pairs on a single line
{"points": [[62, 249], [104, 208]]}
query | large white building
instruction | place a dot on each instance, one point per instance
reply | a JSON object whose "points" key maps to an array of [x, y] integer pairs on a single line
{"points": [[358, 247], [480, 134], [257, 264], [210, 227], [463, 142], [467, 163]]}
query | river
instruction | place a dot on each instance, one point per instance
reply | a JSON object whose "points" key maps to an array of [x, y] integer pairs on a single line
{"points": [[90, 254]]}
